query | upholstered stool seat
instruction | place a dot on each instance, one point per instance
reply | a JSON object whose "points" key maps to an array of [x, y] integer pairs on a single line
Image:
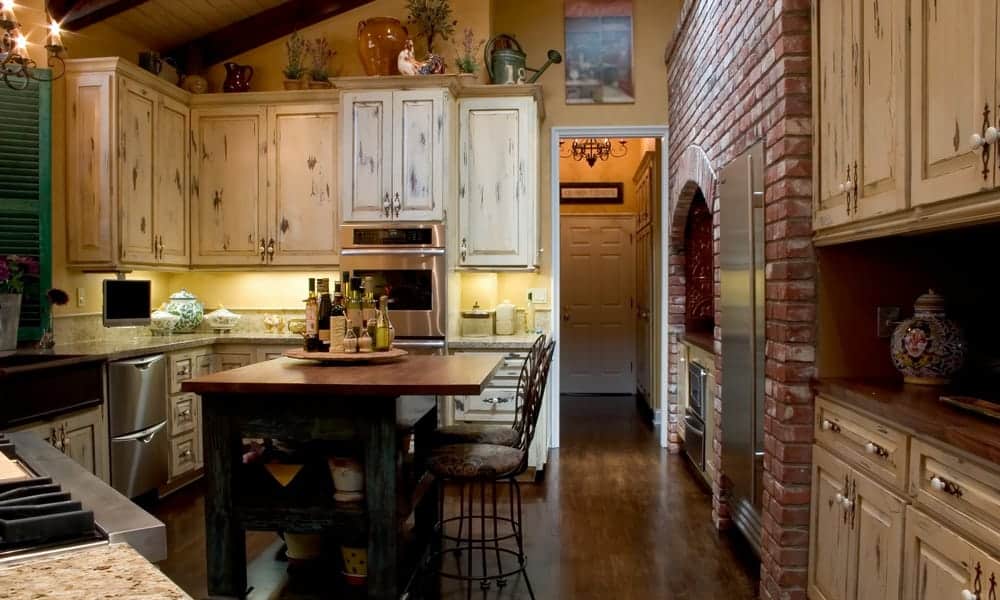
{"points": [[467, 433], [474, 461]]}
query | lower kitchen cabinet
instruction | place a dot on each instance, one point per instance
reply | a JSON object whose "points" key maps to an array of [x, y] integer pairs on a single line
{"points": [[81, 435], [941, 564]]}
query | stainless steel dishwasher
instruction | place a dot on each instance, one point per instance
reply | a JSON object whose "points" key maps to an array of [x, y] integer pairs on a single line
{"points": [[137, 415]]}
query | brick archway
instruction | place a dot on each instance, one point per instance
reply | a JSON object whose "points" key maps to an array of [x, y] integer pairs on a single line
{"points": [[694, 172]]}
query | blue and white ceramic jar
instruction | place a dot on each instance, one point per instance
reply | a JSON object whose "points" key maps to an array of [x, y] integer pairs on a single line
{"points": [[928, 348], [188, 309]]}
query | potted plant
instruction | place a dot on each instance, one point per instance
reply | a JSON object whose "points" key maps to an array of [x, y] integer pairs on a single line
{"points": [[466, 59], [13, 272], [295, 70], [320, 53], [434, 18]]}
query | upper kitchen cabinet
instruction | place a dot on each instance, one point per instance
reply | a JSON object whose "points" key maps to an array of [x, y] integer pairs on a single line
{"points": [[954, 98], [264, 185], [860, 65], [126, 167], [498, 182], [396, 145]]}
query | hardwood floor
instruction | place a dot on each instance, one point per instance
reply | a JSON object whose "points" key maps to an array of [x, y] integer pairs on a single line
{"points": [[616, 518]]}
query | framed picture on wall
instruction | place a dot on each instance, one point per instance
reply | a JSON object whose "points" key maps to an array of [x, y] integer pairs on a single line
{"points": [[599, 52], [598, 192]]}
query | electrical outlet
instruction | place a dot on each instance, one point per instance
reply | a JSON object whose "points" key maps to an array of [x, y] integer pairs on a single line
{"points": [[886, 318], [538, 295], [81, 298]]}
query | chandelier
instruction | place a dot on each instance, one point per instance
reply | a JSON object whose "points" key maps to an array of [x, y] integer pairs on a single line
{"points": [[16, 66], [593, 149]]}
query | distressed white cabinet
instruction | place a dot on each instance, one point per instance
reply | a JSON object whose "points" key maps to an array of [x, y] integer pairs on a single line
{"points": [[126, 167], [396, 154], [859, 103], [498, 182], [943, 564], [265, 184], [81, 435]]}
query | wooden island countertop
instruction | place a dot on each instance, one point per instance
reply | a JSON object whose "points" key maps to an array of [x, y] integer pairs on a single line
{"points": [[460, 374]]}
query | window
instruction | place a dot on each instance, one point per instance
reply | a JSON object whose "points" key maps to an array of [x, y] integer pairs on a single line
{"points": [[25, 193]]}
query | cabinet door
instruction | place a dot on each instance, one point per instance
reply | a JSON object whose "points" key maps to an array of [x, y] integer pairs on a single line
{"points": [[421, 122], [136, 107], [367, 155], [170, 202], [876, 555], [882, 118], [940, 564], [829, 529], [302, 184], [953, 77], [835, 108], [89, 172], [497, 182], [86, 441], [227, 186]]}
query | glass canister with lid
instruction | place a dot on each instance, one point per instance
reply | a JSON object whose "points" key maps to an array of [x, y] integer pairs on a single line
{"points": [[476, 322]]}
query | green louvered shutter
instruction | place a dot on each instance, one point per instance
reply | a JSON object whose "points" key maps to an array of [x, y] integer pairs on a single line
{"points": [[25, 190]]}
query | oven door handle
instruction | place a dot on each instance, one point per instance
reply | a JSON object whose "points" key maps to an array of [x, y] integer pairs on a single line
{"points": [[392, 252], [418, 344]]}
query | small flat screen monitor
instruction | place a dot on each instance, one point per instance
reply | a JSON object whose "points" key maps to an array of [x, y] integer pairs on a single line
{"points": [[126, 302]]}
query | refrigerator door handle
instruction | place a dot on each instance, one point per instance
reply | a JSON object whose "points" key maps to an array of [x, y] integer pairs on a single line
{"points": [[145, 436]]}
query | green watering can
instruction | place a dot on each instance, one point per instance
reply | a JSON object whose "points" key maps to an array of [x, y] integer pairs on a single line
{"points": [[505, 61]]}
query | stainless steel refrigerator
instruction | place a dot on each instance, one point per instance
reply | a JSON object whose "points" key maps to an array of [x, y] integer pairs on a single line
{"points": [[741, 249]]}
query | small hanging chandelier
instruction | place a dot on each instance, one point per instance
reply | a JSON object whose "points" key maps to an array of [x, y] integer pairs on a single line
{"points": [[16, 66], [593, 149]]}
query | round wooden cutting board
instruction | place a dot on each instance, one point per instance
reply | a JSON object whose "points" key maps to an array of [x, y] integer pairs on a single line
{"points": [[359, 358]]}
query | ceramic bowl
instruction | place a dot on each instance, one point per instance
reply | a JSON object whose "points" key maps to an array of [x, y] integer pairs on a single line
{"points": [[222, 320], [297, 326], [162, 323]]}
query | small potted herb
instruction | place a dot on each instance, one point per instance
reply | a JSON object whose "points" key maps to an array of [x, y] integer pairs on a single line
{"points": [[320, 54], [295, 70], [466, 60]]}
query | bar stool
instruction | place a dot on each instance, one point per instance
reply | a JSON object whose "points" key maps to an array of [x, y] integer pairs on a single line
{"points": [[481, 466], [473, 433]]}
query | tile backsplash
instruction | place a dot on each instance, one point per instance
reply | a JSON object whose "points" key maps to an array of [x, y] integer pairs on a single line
{"points": [[89, 327]]}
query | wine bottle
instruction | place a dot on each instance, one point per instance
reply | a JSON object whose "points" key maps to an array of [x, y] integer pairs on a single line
{"points": [[383, 338], [354, 308], [338, 321], [323, 317], [312, 316]]}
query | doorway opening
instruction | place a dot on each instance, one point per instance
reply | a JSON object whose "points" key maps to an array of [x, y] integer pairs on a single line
{"points": [[608, 293]]}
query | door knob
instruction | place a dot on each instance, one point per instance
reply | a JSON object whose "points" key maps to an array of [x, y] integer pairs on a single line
{"points": [[565, 314]]}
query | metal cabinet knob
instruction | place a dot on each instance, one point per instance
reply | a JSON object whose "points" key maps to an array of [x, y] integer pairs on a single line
{"points": [[464, 249], [262, 250], [270, 249], [937, 483]]}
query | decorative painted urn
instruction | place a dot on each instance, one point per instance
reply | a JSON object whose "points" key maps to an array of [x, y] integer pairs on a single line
{"points": [[189, 311], [928, 348]]}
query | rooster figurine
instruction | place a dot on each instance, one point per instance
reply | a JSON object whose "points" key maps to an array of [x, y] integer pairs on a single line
{"points": [[409, 65]]}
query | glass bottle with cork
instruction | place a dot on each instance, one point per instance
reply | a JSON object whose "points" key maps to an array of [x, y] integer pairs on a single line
{"points": [[338, 321], [323, 316], [312, 316], [383, 328]]}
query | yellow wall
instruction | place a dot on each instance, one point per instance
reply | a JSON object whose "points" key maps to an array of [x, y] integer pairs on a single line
{"points": [[341, 32], [538, 26], [272, 291], [612, 170], [489, 289]]}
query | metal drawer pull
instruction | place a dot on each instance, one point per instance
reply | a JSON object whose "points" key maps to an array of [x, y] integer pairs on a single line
{"points": [[186, 413], [873, 448], [496, 400], [943, 485], [829, 425], [185, 454]]}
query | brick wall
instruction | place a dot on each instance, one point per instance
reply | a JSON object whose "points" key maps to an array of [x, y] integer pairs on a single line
{"points": [[738, 72]]}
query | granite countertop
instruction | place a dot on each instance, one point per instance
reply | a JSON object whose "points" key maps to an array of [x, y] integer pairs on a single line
{"points": [[918, 410], [112, 571], [142, 345], [521, 341]]}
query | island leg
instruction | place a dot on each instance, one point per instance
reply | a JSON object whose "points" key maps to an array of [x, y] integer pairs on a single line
{"points": [[380, 484], [224, 536]]}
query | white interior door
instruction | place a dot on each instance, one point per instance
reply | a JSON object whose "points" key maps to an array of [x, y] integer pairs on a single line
{"points": [[597, 283]]}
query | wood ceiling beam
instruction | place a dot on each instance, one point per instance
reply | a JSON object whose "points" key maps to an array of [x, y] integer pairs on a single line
{"points": [[74, 15], [257, 30]]}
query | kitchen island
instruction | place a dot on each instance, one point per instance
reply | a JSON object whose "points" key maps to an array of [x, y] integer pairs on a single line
{"points": [[375, 406]]}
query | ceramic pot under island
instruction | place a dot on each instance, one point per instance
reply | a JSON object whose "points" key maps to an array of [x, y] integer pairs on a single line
{"points": [[928, 348]]}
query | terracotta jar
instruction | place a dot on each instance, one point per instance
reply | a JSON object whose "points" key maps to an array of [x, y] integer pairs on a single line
{"points": [[380, 40], [928, 348]]}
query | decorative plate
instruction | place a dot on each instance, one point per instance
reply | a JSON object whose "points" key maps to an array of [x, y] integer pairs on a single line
{"points": [[348, 358]]}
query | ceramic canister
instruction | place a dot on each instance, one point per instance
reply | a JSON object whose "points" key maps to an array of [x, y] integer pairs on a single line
{"points": [[928, 348], [505, 318], [186, 306]]}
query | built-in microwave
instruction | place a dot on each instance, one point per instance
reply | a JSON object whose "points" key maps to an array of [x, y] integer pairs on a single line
{"points": [[406, 261]]}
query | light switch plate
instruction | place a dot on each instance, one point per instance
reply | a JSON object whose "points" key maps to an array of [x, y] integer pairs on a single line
{"points": [[538, 295], [81, 298], [886, 318]]}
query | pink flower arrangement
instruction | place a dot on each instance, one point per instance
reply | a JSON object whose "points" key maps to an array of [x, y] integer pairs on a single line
{"points": [[13, 271]]}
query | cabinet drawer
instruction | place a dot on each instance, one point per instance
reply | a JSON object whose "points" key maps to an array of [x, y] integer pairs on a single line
{"points": [[185, 414], [959, 490], [877, 448], [181, 369], [494, 404], [184, 455], [203, 364]]}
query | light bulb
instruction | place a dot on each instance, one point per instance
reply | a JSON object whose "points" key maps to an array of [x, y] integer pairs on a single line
{"points": [[7, 13], [54, 37]]}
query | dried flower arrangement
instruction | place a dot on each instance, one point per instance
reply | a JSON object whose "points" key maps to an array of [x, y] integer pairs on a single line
{"points": [[466, 60], [320, 53], [296, 47]]}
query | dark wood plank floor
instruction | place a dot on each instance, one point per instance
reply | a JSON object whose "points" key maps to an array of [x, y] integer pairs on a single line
{"points": [[616, 518]]}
